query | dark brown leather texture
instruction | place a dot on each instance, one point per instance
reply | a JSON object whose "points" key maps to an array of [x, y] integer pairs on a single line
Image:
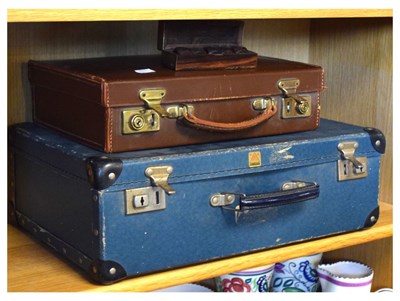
{"points": [[204, 44], [85, 98]]}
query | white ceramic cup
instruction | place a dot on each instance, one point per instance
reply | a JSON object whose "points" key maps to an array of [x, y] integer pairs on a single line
{"points": [[297, 275], [345, 276], [251, 280]]}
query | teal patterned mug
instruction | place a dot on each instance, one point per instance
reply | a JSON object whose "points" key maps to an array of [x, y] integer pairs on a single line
{"points": [[297, 275]]}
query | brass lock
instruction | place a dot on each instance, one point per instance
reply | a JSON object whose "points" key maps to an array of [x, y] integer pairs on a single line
{"points": [[137, 122], [293, 105], [140, 120], [302, 107]]}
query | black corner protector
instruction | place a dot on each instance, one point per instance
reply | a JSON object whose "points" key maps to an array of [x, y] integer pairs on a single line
{"points": [[106, 272], [372, 218], [103, 171], [378, 140]]}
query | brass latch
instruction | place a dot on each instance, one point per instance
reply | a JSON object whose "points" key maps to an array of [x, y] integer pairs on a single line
{"points": [[147, 119], [159, 177], [293, 105], [288, 86], [348, 149], [351, 167], [152, 99]]}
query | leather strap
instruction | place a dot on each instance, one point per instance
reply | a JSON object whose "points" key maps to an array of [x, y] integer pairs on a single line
{"points": [[202, 124]]}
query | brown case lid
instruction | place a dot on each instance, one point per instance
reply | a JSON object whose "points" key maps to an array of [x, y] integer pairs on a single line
{"points": [[117, 81]]}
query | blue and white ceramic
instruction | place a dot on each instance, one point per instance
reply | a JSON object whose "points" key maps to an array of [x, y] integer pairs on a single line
{"points": [[296, 275]]}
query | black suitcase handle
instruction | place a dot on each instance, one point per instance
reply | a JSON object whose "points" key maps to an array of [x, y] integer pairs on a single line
{"points": [[292, 192]]}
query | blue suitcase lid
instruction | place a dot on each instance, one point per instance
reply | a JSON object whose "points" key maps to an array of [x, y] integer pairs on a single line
{"points": [[193, 162]]}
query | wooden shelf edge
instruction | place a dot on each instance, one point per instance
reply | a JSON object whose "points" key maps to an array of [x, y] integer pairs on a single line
{"points": [[19, 241], [62, 15]]}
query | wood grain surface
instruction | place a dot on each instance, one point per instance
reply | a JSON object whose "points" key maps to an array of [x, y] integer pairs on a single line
{"points": [[357, 57], [51, 15]]}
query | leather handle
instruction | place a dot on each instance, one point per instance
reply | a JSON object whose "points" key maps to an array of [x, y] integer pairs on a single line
{"points": [[191, 120], [299, 194]]}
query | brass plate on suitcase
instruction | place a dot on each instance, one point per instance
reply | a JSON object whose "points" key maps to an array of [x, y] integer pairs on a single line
{"points": [[144, 199], [140, 120], [296, 107]]}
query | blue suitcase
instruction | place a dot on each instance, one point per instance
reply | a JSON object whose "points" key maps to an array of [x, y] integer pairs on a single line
{"points": [[129, 214]]}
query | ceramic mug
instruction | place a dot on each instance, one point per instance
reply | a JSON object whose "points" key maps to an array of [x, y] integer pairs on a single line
{"points": [[251, 280], [345, 276], [297, 275]]}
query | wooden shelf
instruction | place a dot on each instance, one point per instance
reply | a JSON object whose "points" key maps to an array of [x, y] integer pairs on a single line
{"points": [[61, 15], [33, 267]]}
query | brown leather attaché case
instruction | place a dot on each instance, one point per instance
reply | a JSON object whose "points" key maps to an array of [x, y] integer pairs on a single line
{"points": [[120, 104]]}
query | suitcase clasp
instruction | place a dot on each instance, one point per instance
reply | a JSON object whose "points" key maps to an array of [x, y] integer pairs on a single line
{"points": [[142, 120], [288, 86], [351, 167], [159, 177], [293, 105], [147, 119], [152, 99]]}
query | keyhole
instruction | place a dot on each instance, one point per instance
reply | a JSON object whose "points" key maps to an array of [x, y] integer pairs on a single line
{"points": [[138, 123], [157, 198], [141, 201]]}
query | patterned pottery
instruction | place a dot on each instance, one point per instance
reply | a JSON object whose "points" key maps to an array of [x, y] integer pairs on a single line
{"points": [[251, 280], [297, 275]]}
